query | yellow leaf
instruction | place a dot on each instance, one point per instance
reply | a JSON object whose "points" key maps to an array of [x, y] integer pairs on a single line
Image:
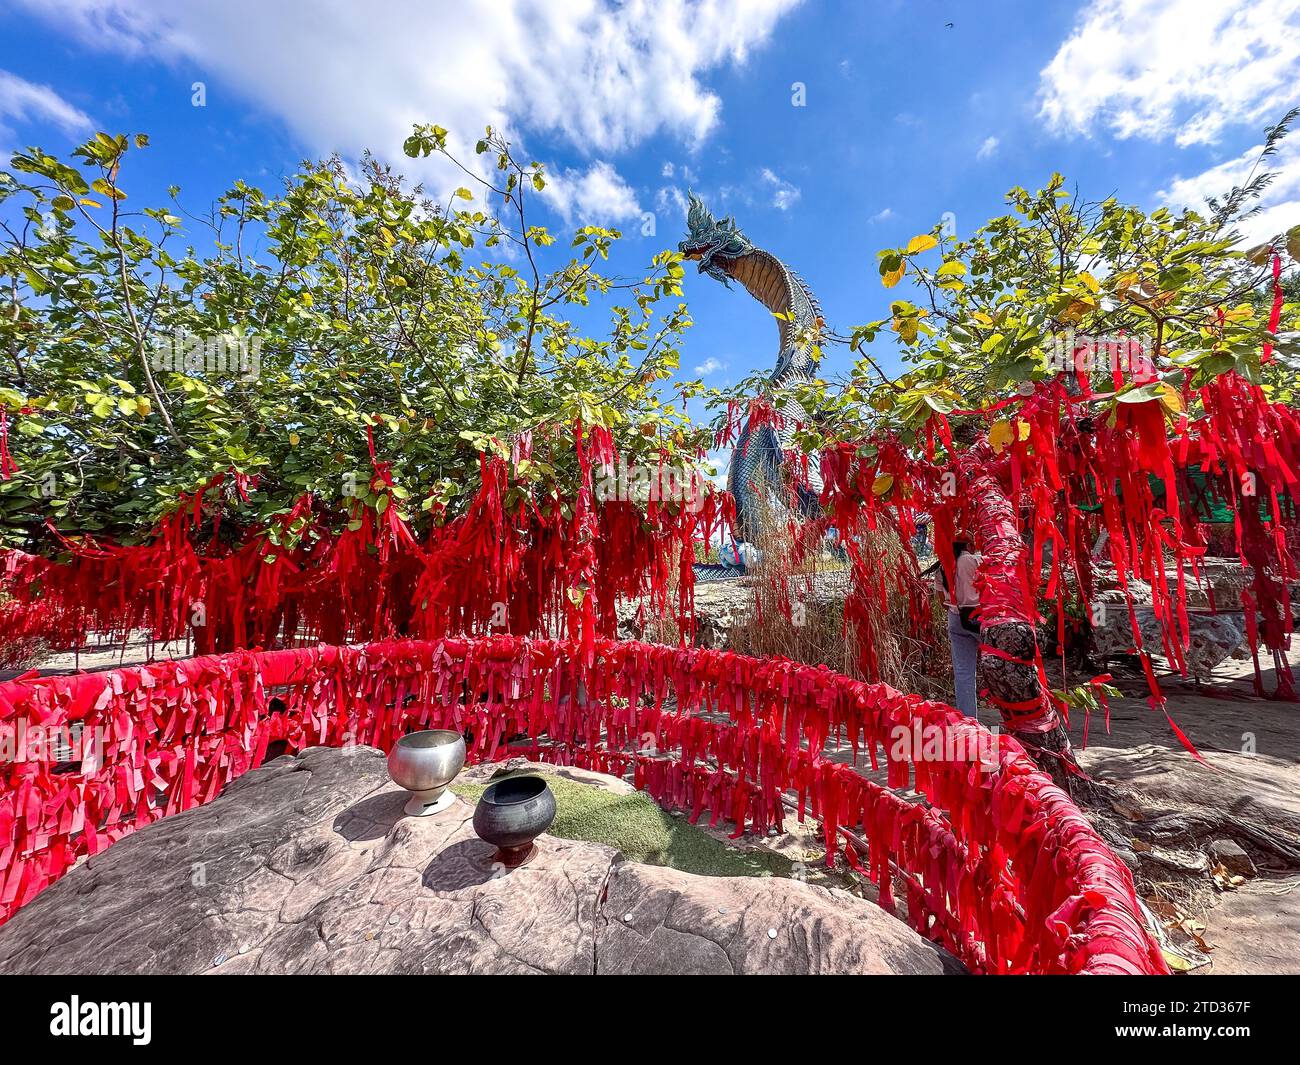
{"points": [[1000, 435], [1170, 399], [882, 484], [1090, 282], [1022, 429], [293, 439], [1077, 309], [921, 243], [893, 277], [1260, 254]]}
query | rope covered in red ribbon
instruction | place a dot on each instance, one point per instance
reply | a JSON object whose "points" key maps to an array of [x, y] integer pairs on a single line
{"points": [[997, 864]]}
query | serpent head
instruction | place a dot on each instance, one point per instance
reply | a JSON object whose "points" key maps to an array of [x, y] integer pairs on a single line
{"points": [[708, 239]]}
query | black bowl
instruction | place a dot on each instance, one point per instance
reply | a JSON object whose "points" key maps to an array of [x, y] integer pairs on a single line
{"points": [[511, 814]]}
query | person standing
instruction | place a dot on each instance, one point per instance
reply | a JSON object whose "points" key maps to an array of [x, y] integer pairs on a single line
{"points": [[963, 627]]}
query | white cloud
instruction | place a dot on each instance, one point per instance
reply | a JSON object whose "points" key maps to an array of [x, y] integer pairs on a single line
{"points": [[784, 195], [1186, 68], [681, 172], [671, 198], [23, 101], [1189, 71], [720, 460], [596, 195], [1279, 204], [347, 76], [708, 366], [883, 215], [988, 148]]}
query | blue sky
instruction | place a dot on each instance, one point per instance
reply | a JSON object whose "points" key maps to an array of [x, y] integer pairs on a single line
{"points": [[905, 117]]}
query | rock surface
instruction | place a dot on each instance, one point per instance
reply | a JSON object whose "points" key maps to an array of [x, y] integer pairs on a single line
{"points": [[309, 865], [662, 921], [1177, 822], [1211, 638], [1255, 929], [1232, 856]]}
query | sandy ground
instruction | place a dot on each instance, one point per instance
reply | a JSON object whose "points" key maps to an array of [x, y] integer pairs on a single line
{"points": [[108, 656]]}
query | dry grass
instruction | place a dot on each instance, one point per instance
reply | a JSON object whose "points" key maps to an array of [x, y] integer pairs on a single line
{"points": [[664, 628], [799, 592], [792, 604], [793, 613], [909, 660]]}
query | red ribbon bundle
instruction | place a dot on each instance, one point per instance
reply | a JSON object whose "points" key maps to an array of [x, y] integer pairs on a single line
{"points": [[7, 465], [1062, 477], [518, 566], [999, 866]]}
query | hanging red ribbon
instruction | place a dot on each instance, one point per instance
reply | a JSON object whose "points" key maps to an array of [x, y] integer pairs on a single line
{"points": [[1275, 313], [7, 465]]}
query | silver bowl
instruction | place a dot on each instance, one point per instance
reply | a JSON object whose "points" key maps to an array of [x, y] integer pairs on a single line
{"points": [[424, 763]]}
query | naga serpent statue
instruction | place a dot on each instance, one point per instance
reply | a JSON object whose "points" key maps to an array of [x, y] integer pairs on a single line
{"points": [[754, 477]]}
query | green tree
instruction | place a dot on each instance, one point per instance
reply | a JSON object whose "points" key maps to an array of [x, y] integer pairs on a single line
{"points": [[993, 311], [138, 368]]}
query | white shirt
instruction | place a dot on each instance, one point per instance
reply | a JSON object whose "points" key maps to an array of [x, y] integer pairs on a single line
{"points": [[968, 564]]}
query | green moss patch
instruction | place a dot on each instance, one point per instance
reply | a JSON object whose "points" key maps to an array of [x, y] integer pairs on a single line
{"points": [[643, 832]]}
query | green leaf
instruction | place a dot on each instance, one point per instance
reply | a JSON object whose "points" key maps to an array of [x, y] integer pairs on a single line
{"points": [[1142, 394]]}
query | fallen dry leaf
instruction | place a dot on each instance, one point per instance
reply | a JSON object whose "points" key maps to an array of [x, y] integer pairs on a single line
{"points": [[1127, 812]]}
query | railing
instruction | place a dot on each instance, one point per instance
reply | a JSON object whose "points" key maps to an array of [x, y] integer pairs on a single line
{"points": [[997, 864]]}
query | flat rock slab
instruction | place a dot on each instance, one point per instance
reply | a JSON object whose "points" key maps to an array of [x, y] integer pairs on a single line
{"points": [[308, 864], [665, 922], [1256, 929], [1241, 812]]}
